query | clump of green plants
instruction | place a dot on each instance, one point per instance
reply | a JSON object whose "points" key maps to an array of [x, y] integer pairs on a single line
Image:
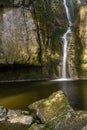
{"points": [[74, 2]]}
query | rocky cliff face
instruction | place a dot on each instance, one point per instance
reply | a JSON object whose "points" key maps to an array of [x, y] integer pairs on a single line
{"points": [[30, 33], [83, 38], [78, 46]]}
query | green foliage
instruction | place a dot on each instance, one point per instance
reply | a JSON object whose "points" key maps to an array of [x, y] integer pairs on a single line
{"points": [[49, 129], [74, 1]]}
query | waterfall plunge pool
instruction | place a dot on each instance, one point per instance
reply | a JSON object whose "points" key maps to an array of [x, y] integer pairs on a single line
{"points": [[19, 94]]}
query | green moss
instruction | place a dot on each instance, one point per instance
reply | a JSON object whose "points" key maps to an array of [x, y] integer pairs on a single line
{"points": [[78, 58], [78, 51], [74, 2], [49, 129], [56, 40], [51, 22], [14, 126]]}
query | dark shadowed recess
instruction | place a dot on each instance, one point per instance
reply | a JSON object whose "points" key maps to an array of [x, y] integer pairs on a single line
{"points": [[14, 3], [20, 71]]}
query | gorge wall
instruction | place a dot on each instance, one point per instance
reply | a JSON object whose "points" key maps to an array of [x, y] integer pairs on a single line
{"points": [[30, 33], [78, 47]]}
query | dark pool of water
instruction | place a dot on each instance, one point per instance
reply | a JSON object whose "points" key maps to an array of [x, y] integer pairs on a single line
{"points": [[19, 94]]}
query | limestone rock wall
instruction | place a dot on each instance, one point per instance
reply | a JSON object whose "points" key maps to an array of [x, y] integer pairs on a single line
{"points": [[78, 46], [83, 38], [18, 36], [30, 33]]}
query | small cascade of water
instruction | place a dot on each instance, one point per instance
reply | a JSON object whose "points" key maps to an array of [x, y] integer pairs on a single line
{"points": [[65, 41]]}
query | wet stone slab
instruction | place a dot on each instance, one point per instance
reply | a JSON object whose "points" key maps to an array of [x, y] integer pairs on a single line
{"points": [[14, 119]]}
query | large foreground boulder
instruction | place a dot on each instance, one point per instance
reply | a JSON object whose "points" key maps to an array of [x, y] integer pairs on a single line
{"points": [[48, 109], [56, 113]]}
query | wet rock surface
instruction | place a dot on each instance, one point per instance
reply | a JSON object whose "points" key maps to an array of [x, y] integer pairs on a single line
{"points": [[14, 119]]}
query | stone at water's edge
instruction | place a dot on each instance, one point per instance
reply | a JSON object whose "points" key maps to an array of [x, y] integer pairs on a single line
{"points": [[14, 119]]}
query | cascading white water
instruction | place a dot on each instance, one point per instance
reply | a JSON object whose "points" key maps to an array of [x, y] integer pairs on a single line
{"points": [[65, 41]]}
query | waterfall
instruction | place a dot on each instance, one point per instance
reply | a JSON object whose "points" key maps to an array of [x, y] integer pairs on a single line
{"points": [[65, 41]]}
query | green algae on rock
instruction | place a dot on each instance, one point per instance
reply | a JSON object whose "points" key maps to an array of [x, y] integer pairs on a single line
{"points": [[56, 113], [50, 108]]}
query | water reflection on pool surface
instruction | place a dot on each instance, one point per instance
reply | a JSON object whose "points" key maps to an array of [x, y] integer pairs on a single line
{"points": [[20, 94]]}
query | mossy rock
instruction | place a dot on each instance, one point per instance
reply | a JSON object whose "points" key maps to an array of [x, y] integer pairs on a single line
{"points": [[51, 108], [37, 127], [56, 114]]}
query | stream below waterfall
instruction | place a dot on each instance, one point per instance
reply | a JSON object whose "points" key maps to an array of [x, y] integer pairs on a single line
{"points": [[19, 94]]}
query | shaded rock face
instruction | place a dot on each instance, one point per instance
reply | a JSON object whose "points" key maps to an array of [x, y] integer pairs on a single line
{"points": [[82, 2], [30, 33], [72, 6], [78, 47], [83, 37]]}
